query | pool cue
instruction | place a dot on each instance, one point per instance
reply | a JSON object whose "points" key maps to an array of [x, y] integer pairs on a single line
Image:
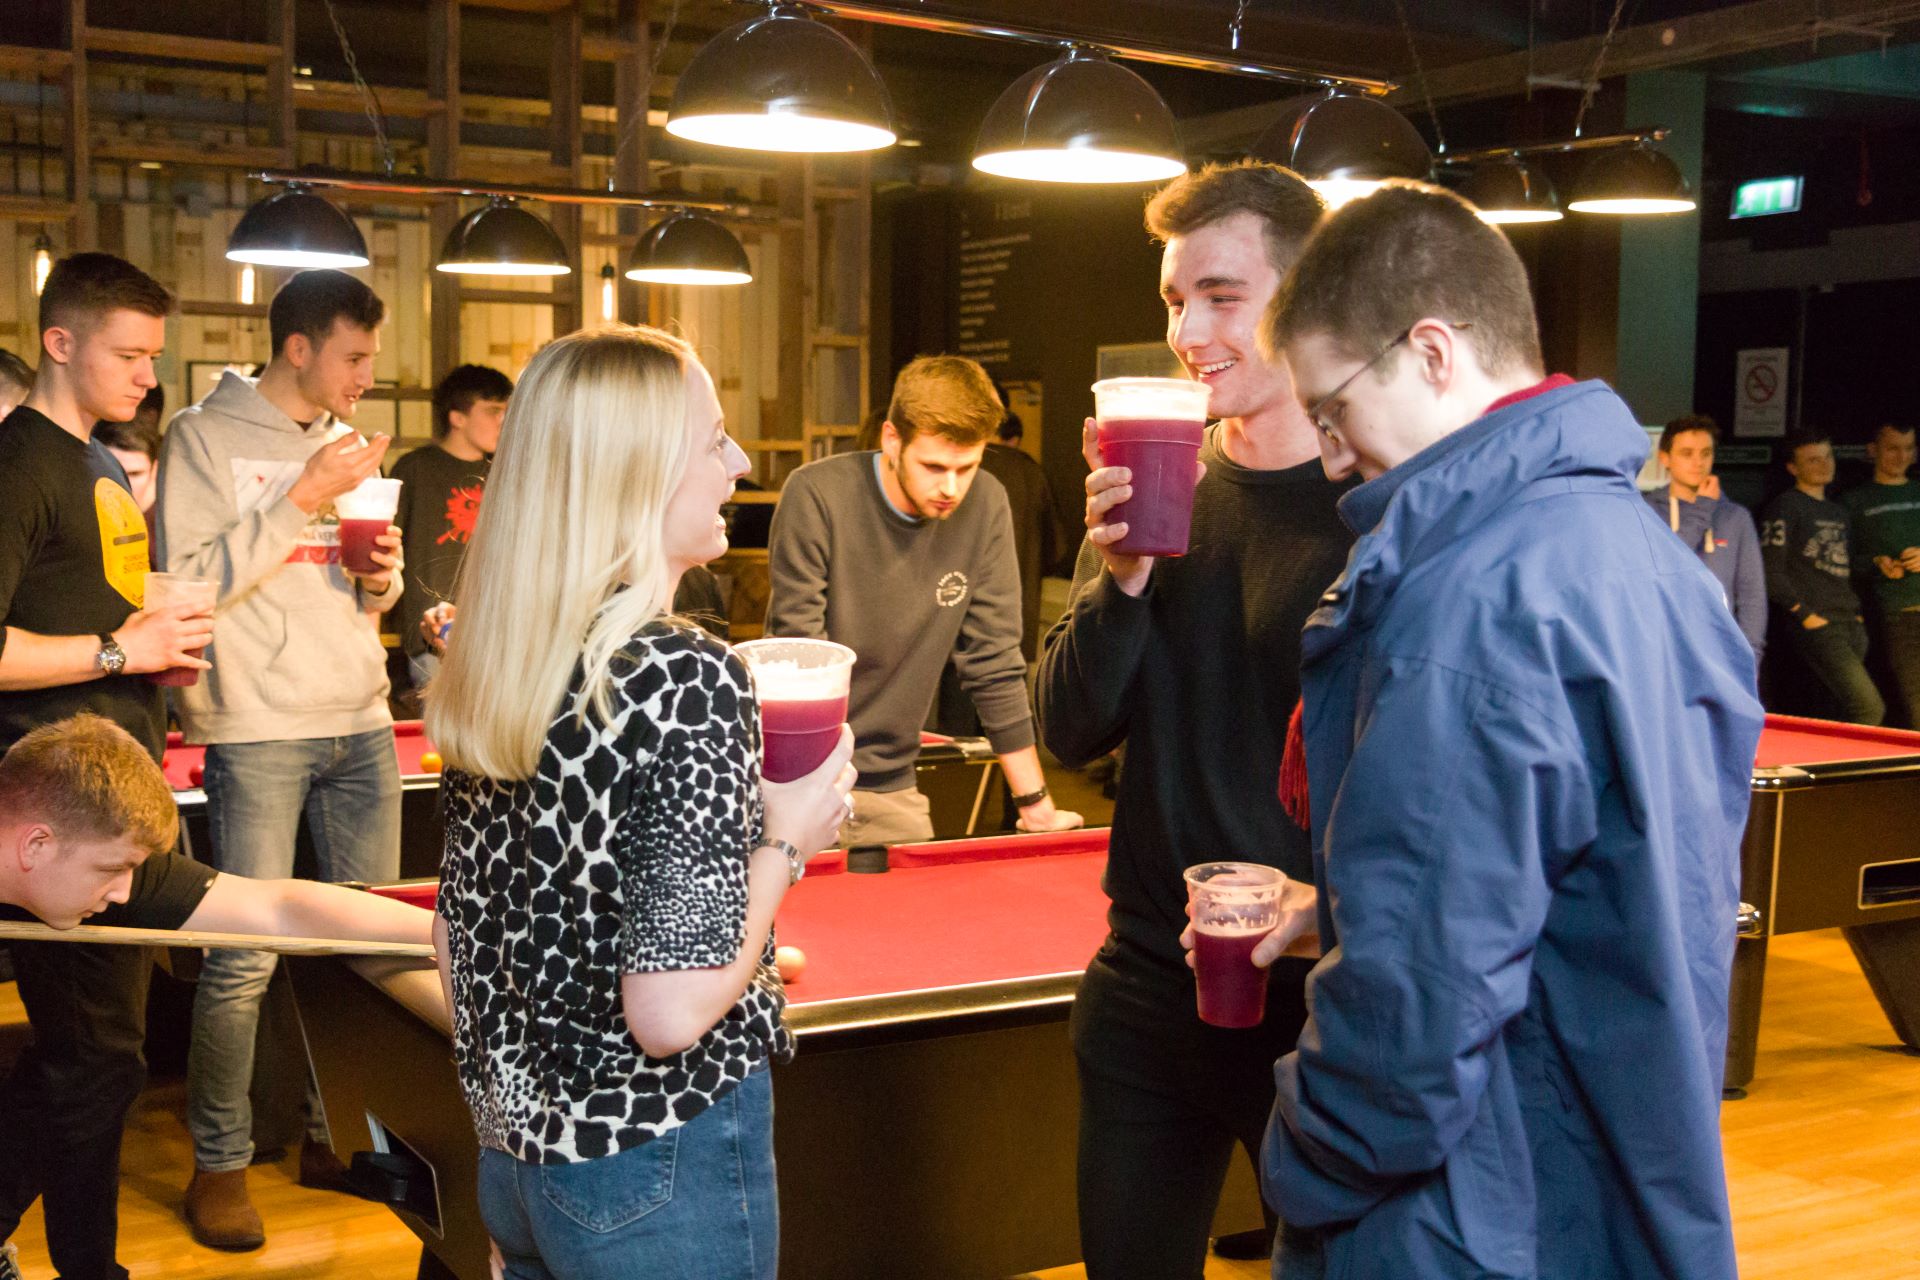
{"points": [[34, 932]]}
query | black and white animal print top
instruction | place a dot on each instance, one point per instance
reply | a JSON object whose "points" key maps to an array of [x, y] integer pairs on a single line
{"points": [[625, 853]]}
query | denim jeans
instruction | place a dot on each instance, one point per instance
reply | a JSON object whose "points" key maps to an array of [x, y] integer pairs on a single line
{"points": [[1902, 632], [64, 1107], [348, 789], [696, 1203], [1837, 656]]}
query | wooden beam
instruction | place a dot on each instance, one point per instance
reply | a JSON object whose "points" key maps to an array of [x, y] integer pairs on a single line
{"points": [[404, 103], [27, 60], [443, 157], [616, 49], [153, 44], [520, 6], [190, 154], [209, 307], [35, 208], [513, 297], [280, 84], [75, 146]]}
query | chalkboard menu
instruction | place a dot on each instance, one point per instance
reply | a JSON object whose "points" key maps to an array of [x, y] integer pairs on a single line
{"points": [[996, 265]]}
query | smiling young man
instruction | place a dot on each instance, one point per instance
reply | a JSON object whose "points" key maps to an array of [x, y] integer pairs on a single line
{"points": [[1530, 727], [1193, 664], [905, 555], [1721, 533], [294, 711], [87, 825]]}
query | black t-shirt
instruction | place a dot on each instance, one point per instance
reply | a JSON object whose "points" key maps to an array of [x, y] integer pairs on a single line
{"points": [[167, 889], [439, 502], [1198, 677], [73, 561]]}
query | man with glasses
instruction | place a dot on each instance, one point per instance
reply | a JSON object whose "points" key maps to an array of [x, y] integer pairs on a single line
{"points": [[1529, 730], [1192, 663]]}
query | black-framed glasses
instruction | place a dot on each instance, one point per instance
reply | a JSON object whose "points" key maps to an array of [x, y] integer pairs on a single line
{"points": [[1314, 410]]}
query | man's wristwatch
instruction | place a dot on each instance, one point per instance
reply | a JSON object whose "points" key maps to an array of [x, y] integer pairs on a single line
{"points": [[112, 659], [796, 864], [1031, 798]]}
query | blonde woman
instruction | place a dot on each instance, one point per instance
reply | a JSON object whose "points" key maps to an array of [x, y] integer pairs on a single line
{"points": [[614, 860]]}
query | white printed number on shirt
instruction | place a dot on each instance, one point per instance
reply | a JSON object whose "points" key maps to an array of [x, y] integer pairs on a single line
{"points": [[259, 483], [952, 589]]}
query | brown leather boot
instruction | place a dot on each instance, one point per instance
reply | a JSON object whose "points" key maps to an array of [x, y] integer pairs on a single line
{"points": [[220, 1214]]}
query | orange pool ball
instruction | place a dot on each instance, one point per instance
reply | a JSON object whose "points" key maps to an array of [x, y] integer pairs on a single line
{"points": [[431, 761], [791, 962]]}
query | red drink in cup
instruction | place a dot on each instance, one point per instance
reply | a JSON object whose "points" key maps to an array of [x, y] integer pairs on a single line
{"points": [[164, 590], [1153, 427], [1234, 905], [802, 685], [365, 512]]}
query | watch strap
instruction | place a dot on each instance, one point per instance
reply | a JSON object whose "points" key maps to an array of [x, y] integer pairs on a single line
{"points": [[796, 862], [1032, 797]]}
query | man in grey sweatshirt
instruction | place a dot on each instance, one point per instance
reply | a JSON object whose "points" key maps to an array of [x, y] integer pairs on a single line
{"points": [[905, 555], [294, 710]]}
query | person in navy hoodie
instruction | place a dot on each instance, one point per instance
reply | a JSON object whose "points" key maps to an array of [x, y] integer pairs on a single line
{"points": [[1529, 725], [1721, 533]]}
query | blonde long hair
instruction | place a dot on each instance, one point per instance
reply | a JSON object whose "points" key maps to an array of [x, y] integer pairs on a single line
{"points": [[593, 447]]}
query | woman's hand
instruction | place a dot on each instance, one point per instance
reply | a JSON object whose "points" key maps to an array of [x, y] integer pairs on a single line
{"points": [[808, 812]]}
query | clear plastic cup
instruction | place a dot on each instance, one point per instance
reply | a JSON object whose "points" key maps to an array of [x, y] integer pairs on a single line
{"points": [[365, 511], [1153, 427], [164, 590], [802, 685], [1235, 904]]}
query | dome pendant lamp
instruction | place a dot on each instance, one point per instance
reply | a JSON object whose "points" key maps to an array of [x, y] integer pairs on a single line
{"points": [[1511, 190], [1632, 180], [1345, 144], [686, 248], [1081, 118], [782, 82], [296, 228], [502, 239]]}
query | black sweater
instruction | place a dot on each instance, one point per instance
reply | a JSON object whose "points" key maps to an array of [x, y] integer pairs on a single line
{"points": [[1198, 677]]}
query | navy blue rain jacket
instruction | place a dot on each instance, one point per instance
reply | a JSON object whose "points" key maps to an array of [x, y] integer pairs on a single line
{"points": [[1530, 730]]}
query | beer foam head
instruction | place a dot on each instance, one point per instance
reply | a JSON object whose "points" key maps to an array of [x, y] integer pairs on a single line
{"points": [[373, 499], [798, 670]]}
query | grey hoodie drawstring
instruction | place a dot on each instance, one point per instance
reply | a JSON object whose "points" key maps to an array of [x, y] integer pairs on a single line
{"points": [[1673, 522]]}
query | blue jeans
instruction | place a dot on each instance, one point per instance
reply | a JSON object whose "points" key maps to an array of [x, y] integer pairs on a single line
{"points": [[349, 791], [696, 1203]]}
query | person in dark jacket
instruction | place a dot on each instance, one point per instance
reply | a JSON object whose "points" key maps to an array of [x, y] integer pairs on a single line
{"points": [[1721, 533], [1885, 512], [1529, 731], [1804, 543]]}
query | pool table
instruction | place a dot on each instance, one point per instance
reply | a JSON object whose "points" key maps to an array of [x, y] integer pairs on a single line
{"points": [[1832, 841], [926, 1126]]}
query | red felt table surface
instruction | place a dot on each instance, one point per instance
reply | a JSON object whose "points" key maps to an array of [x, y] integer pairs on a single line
{"points": [[1792, 740], [943, 926], [409, 743]]}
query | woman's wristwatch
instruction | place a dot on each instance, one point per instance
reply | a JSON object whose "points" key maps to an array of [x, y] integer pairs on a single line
{"points": [[796, 862]]}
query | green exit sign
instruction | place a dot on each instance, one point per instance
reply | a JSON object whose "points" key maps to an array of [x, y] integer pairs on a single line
{"points": [[1764, 196]]}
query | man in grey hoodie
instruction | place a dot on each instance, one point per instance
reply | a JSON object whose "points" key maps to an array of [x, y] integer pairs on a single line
{"points": [[1720, 532], [294, 710]]}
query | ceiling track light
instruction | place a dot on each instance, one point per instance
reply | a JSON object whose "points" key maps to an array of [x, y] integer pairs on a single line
{"points": [[689, 248], [502, 239], [1081, 118], [1344, 144], [296, 228], [782, 82]]}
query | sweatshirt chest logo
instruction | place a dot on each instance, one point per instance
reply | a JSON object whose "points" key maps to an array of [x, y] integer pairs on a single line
{"points": [[123, 541], [952, 589]]}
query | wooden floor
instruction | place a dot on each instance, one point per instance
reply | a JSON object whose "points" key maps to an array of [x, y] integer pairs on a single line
{"points": [[1823, 1160]]}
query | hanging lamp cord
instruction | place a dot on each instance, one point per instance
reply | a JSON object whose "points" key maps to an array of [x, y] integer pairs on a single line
{"points": [[1420, 74], [1592, 83], [370, 100], [640, 118]]}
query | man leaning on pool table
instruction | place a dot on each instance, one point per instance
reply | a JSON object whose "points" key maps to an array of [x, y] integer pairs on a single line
{"points": [[86, 823], [1530, 728]]}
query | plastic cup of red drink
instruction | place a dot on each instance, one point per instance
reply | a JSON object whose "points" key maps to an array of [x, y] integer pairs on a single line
{"points": [[1153, 427], [164, 590], [1234, 905], [802, 686], [365, 511]]}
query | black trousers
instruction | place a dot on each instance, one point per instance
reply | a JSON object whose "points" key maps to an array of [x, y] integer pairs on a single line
{"points": [[1901, 631], [1164, 1101], [63, 1108]]}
